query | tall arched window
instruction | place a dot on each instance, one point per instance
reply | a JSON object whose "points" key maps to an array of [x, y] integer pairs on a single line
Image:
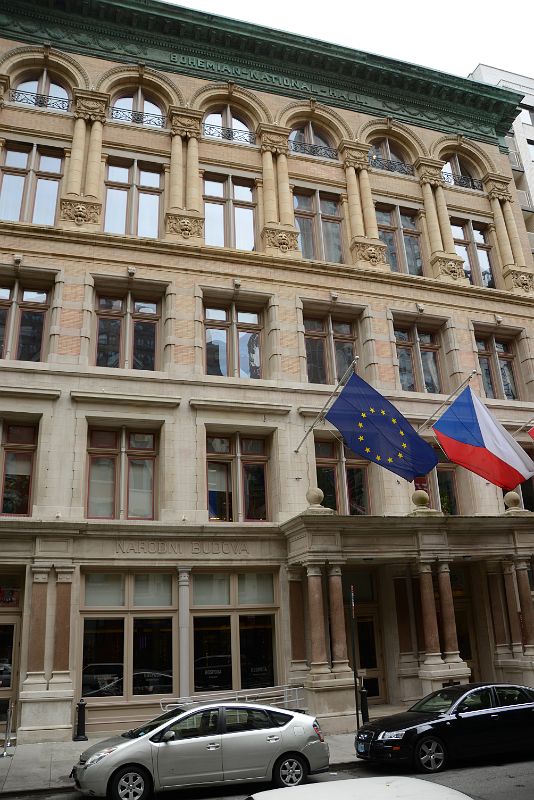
{"points": [[386, 154], [42, 90], [225, 122], [135, 106], [457, 172], [307, 138]]}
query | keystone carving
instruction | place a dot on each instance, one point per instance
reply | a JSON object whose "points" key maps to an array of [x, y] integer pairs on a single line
{"points": [[281, 240], [184, 226], [80, 211]]}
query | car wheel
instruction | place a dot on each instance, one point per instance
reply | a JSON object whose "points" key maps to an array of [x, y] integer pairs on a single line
{"points": [[130, 783], [290, 770], [430, 754]]}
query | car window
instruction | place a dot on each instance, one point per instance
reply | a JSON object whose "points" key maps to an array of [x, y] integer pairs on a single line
{"points": [[279, 719], [439, 701], [477, 701], [511, 696], [246, 719], [203, 723]]}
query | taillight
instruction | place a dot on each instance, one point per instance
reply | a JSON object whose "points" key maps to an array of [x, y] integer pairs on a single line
{"points": [[317, 730]]}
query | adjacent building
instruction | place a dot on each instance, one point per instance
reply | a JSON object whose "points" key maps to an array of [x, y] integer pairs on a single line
{"points": [[203, 223]]}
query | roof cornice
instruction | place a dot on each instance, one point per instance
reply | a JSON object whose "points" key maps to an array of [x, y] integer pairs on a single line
{"points": [[175, 39]]}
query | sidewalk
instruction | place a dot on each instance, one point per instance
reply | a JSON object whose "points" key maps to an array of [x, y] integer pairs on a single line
{"points": [[35, 767]]}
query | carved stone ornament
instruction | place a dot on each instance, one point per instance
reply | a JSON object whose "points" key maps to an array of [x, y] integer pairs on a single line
{"points": [[184, 226], [523, 281], [188, 127], [80, 211], [356, 156], [282, 240], [275, 143], [431, 175], [90, 109], [497, 188], [375, 254], [449, 268]]}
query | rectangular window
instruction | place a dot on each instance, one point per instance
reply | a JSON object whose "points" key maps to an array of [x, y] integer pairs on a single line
{"points": [[127, 331], [398, 229], [237, 478], [330, 347], [30, 180], [229, 207], [496, 360], [28, 308], [19, 443], [233, 337], [318, 221], [133, 199], [440, 485], [472, 244], [342, 477], [418, 357], [121, 474]]}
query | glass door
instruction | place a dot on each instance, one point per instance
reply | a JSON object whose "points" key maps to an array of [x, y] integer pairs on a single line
{"points": [[8, 650]]}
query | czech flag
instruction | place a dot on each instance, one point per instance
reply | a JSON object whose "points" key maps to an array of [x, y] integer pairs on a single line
{"points": [[472, 437]]}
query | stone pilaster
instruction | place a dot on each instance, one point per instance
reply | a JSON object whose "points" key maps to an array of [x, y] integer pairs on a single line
{"points": [[299, 665], [279, 235], [183, 629]]}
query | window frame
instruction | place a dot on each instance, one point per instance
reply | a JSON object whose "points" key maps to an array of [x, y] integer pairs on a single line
{"points": [[15, 307], [329, 336], [137, 114], [237, 459], [233, 328], [32, 174], [128, 317], [494, 356], [20, 448], [342, 460], [472, 247], [44, 83], [226, 130], [399, 233], [318, 219], [413, 344], [134, 189], [230, 205]]}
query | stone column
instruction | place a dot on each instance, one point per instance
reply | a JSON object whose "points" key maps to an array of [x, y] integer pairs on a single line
{"points": [[511, 603], [338, 634], [319, 660], [35, 678], [503, 242], [185, 225], [284, 191], [279, 235], [94, 156], [430, 622], [432, 221], [77, 153], [450, 649], [513, 235], [525, 602], [269, 189], [354, 202], [183, 629], [444, 221], [61, 678], [297, 622], [368, 207], [498, 609]]}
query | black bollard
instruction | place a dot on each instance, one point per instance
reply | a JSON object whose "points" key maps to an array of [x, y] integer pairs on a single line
{"points": [[80, 727], [363, 705]]}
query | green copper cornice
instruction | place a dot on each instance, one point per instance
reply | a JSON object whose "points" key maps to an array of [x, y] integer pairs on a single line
{"points": [[179, 40]]}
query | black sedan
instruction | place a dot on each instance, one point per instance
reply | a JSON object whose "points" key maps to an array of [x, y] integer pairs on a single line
{"points": [[456, 721]]}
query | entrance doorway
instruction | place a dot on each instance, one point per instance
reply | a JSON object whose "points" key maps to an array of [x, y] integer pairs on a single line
{"points": [[8, 670], [368, 641]]}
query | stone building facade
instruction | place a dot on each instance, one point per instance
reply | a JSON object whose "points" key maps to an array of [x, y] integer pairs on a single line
{"points": [[202, 224]]}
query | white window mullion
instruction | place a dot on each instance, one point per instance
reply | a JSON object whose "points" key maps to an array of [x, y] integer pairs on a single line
{"points": [[238, 481], [128, 333], [123, 476]]}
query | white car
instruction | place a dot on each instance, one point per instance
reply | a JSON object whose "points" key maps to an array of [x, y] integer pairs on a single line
{"points": [[388, 787]]}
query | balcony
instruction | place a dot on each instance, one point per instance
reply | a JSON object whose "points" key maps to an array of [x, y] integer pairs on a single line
{"points": [[515, 160], [320, 150], [391, 166], [464, 181], [230, 134], [137, 117], [39, 100]]}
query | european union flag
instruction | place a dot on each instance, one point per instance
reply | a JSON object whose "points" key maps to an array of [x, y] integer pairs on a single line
{"points": [[373, 428]]}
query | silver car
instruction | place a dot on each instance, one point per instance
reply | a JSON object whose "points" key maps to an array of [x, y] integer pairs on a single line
{"points": [[204, 744]]}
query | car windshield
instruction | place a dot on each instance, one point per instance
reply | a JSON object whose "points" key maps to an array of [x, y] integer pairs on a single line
{"points": [[439, 702], [152, 724]]}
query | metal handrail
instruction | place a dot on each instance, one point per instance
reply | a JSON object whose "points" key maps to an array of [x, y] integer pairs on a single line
{"points": [[391, 166], [280, 696], [320, 150], [137, 117], [455, 179], [39, 100], [217, 132]]}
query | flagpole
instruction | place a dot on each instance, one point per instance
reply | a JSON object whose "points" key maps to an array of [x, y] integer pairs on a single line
{"points": [[522, 428], [449, 398], [321, 413]]}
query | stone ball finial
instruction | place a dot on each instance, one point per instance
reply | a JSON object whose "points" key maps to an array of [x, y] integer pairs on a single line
{"points": [[315, 496], [420, 499], [512, 500]]}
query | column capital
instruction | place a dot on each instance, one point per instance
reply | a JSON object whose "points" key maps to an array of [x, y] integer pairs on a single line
{"points": [[185, 122], [496, 186], [334, 570], [508, 566], [521, 563], [183, 575], [443, 566], [429, 171], [40, 572], [424, 567], [314, 570], [355, 154], [273, 138], [64, 574], [4, 87], [91, 106]]}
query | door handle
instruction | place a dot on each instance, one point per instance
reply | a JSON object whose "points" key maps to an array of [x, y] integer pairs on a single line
{"points": [[273, 738], [494, 716], [213, 746]]}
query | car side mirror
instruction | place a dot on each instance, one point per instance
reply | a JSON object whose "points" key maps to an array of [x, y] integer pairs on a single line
{"points": [[168, 736]]}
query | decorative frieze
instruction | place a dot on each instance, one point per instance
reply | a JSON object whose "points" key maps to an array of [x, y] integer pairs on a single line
{"points": [[79, 211], [184, 226], [185, 122], [90, 106]]}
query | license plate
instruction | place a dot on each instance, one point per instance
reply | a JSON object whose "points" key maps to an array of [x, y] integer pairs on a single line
{"points": [[362, 747]]}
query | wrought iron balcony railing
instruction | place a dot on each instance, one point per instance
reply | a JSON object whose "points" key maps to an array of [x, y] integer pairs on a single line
{"points": [[462, 180], [232, 135], [320, 150], [138, 117], [39, 100], [391, 166]]}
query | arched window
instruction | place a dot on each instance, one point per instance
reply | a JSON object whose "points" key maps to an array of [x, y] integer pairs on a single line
{"points": [[225, 122], [457, 172], [135, 106], [387, 154], [41, 90], [306, 138]]}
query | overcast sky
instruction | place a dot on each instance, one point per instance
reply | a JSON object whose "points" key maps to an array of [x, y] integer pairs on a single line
{"points": [[452, 36]]}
